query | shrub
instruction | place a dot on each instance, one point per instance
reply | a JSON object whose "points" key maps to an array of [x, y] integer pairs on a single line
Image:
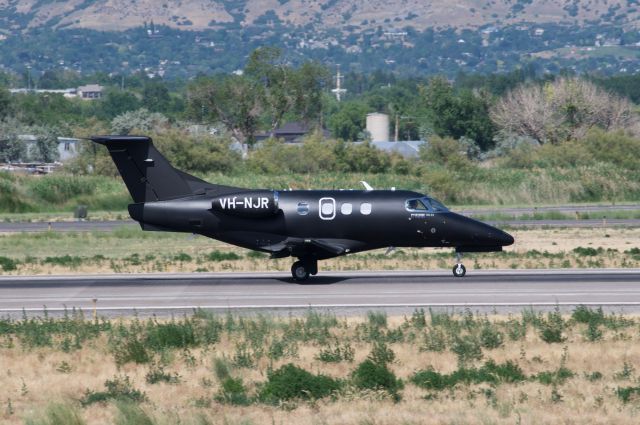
{"points": [[221, 368], [119, 388], [173, 334], [551, 330], [58, 189], [223, 256], [626, 394], [336, 354], [434, 340], [583, 314], [130, 350], [381, 354], [375, 376], [7, 264], [587, 252], [490, 372], [157, 374], [467, 348], [556, 377], [490, 337], [232, 391], [291, 382]]}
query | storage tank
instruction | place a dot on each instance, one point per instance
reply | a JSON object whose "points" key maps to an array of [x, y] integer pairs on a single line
{"points": [[378, 127]]}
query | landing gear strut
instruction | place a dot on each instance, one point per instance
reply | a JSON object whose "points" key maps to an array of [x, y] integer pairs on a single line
{"points": [[301, 269], [459, 270]]}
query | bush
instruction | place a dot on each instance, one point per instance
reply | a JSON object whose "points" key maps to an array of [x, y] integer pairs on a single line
{"points": [[232, 391], [381, 354], [375, 376], [130, 350], [157, 374], [58, 189], [551, 330], [583, 314], [291, 382], [626, 394], [119, 388], [490, 372], [556, 377], [7, 264], [336, 354], [173, 334], [587, 252], [490, 337], [223, 256], [467, 348]]}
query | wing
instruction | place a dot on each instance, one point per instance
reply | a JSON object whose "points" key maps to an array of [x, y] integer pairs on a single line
{"points": [[318, 248]]}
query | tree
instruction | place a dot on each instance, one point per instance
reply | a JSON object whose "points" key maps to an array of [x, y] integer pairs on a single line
{"points": [[11, 148], [233, 100], [116, 102], [46, 143], [155, 96], [458, 115], [349, 121], [561, 110], [5, 102], [140, 120], [287, 90]]}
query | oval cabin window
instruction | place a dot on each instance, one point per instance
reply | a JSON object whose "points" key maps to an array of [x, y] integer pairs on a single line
{"points": [[365, 208]]}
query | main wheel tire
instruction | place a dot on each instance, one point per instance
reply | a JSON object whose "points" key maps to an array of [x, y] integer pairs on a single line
{"points": [[300, 271], [459, 270]]}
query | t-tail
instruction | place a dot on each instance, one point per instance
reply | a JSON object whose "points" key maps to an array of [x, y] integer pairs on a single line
{"points": [[147, 173]]}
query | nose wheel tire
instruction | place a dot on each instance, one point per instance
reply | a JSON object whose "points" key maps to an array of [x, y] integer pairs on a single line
{"points": [[300, 271], [459, 270]]}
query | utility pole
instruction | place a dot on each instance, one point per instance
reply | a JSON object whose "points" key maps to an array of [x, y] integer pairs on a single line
{"points": [[339, 91]]}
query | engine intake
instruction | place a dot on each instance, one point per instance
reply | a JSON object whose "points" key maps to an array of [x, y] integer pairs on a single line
{"points": [[255, 204]]}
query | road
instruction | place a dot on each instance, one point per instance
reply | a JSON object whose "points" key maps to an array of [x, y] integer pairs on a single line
{"points": [[345, 292]]}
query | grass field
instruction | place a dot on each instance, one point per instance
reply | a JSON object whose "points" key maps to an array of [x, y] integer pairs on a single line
{"points": [[128, 249], [601, 182], [529, 368]]}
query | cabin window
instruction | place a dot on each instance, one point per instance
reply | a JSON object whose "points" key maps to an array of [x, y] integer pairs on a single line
{"points": [[327, 208], [303, 208], [365, 208], [436, 205], [346, 208]]}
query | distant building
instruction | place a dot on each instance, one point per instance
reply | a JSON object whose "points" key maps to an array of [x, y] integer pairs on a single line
{"points": [[407, 148], [90, 91], [291, 132], [67, 147]]}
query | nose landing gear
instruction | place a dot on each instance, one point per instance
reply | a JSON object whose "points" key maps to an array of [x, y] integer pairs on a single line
{"points": [[459, 270]]}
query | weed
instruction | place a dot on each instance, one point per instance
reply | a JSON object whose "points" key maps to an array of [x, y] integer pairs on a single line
{"points": [[592, 332], [490, 372], [291, 382], [381, 354], [131, 414], [130, 350], [157, 374], [336, 354], [593, 376], [221, 368], [223, 256], [256, 255], [7, 264], [377, 319], [119, 388], [556, 377], [58, 414], [626, 394], [467, 348], [232, 391], [626, 373], [182, 257], [434, 340], [584, 314], [64, 367], [587, 252], [551, 330], [490, 337]]}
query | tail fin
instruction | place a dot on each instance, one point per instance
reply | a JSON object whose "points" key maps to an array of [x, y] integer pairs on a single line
{"points": [[147, 173]]}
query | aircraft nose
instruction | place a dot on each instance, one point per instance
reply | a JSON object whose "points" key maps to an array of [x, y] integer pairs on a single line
{"points": [[504, 239]]}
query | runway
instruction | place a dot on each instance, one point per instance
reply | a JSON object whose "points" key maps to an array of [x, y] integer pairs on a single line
{"points": [[345, 292]]}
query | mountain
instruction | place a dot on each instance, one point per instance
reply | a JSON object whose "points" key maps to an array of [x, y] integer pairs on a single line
{"points": [[119, 15]]}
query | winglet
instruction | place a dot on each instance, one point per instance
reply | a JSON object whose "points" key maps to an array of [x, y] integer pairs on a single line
{"points": [[366, 185]]}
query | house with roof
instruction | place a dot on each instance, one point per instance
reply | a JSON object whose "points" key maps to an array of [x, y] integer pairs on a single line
{"points": [[291, 132]]}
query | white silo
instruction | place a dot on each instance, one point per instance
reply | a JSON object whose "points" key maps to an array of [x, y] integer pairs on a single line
{"points": [[378, 127]]}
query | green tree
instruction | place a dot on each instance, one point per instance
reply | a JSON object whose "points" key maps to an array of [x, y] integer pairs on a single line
{"points": [[349, 121], [5, 103], [231, 100], [457, 115], [155, 96], [116, 102], [46, 143], [11, 148]]}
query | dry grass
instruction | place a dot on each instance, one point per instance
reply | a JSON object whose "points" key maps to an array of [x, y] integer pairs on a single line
{"points": [[29, 379], [162, 252]]}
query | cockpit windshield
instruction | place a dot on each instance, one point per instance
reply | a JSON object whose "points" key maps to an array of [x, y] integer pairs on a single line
{"points": [[436, 205], [425, 205]]}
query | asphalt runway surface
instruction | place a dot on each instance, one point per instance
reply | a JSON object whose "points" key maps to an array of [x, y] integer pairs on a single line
{"points": [[342, 293]]}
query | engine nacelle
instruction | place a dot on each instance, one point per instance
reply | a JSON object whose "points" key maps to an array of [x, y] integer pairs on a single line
{"points": [[254, 204]]}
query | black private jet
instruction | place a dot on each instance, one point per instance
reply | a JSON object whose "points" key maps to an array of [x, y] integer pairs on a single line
{"points": [[310, 225]]}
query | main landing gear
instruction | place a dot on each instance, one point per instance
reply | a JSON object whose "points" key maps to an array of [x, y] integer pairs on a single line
{"points": [[301, 269], [459, 270]]}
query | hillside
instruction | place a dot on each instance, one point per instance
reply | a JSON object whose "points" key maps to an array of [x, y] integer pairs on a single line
{"points": [[111, 15]]}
